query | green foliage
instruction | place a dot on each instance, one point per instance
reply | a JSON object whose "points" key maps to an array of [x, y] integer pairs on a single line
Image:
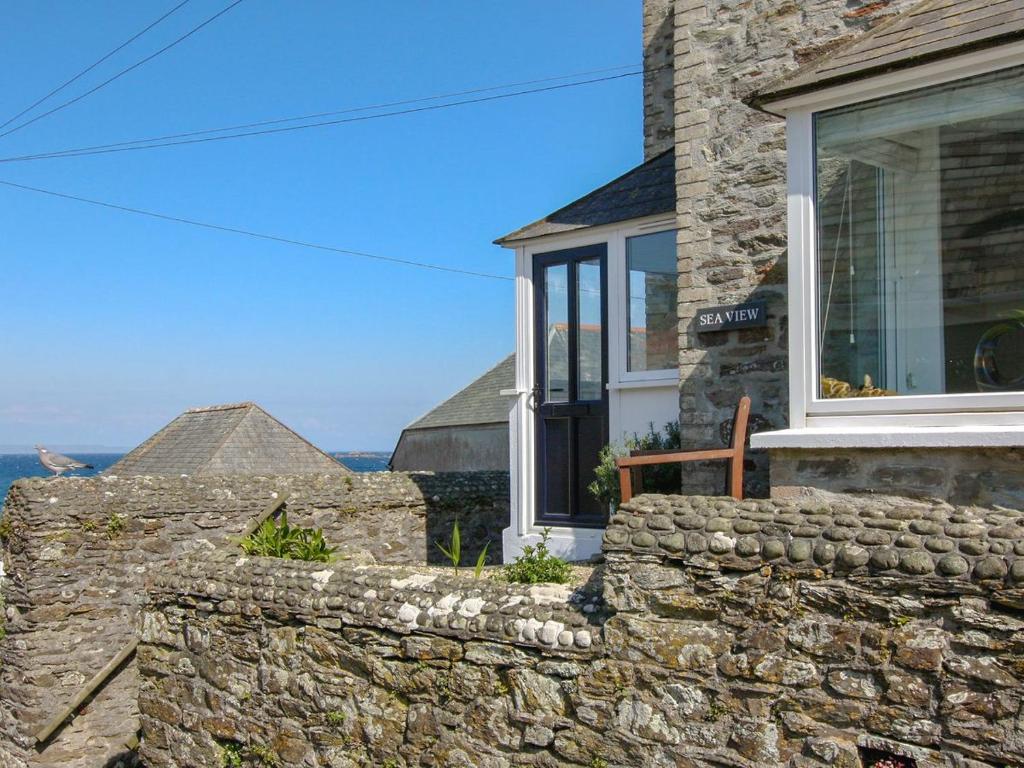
{"points": [[335, 717], [88, 525], [263, 756], [658, 478], [115, 525], [278, 539], [598, 762], [536, 565], [231, 755], [481, 561], [454, 549], [390, 763], [5, 528]]}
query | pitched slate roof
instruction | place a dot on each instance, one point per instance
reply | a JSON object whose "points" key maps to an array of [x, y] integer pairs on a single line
{"points": [[479, 403], [239, 439], [646, 190], [930, 30]]}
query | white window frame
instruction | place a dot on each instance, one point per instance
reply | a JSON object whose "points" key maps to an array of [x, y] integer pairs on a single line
{"points": [[807, 409]]}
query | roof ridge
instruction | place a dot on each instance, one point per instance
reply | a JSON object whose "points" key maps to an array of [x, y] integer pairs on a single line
{"points": [[227, 435], [455, 394], [280, 423], [224, 407]]}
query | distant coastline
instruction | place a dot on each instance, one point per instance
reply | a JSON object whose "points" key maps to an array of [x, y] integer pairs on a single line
{"points": [[25, 462]]}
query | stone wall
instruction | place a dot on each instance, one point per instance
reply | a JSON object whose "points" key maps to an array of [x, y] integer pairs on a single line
{"points": [[985, 476], [78, 551], [730, 633], [731, 177], [658, 42]]}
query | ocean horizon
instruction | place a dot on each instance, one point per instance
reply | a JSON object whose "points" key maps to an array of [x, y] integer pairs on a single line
{"points": [[14, 466]]}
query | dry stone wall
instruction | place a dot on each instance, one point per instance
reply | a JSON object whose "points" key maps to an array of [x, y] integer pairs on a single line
{"points": [[718, 633], [78, 551]]}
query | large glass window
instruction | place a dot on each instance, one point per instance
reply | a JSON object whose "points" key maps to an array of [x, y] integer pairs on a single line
{"points": [[652, 336], [920, 241]]}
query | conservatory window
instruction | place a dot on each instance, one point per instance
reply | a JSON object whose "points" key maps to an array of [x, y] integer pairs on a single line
{"points": [[652, 324], [920, 242]]}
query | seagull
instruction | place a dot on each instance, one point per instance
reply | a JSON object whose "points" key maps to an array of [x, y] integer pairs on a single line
{"points": [[58, 462]]}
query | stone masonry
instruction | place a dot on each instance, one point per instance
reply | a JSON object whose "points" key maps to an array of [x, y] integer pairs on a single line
{"points": [[731, 210], [78, 552], [729, 633]]}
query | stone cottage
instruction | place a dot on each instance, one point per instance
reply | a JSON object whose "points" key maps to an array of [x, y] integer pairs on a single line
{"points": [[849, 173]]}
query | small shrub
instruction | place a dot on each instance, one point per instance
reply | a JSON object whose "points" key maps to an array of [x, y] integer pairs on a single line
{"points": [[658, 478], [335, 717], [115, 525], [598, 762], [278, 539], [88, 525], [536, 565], [231, 755], [5, 529], [263, 756]]}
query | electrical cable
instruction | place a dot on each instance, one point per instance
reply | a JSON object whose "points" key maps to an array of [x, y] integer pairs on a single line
{"points": [[249, 233], [123, 72], [93, 66], [107, 149]]}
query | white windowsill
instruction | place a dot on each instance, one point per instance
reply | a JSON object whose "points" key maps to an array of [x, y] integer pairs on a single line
{"points": [[643, 383], [891, 437]]}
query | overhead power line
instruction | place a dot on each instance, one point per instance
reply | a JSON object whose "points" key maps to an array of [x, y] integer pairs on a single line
{"points": [[123, 72], [158, 142], [93, 66], [346, 111], [250, 233]]}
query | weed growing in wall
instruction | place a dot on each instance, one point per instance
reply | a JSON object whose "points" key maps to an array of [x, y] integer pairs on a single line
{"points": [[453, 552], [276, 538], [5, 529], [231, 755], [115, 525], [536, 565]]}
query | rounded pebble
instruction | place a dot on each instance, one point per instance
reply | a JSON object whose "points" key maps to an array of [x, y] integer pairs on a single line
{"points": [[916, 563], [908, 541], [748, 546], [799, 550], [824, 553], [953, 565], [990, 568], [884, 559], [852, 556], [938, 544], [773, 549]]}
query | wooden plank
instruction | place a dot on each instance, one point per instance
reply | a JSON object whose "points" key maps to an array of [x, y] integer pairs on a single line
{"points": [[270, 509], [98, 679], [671, 458]]}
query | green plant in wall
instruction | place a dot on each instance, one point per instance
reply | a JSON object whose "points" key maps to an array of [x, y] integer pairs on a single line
{"points": [[335, 717], [263, 756], [5, 529], [231, 755], [454, 549], [481, 561], [276, 538], [660, 478], [536, 565], [115, 525]]}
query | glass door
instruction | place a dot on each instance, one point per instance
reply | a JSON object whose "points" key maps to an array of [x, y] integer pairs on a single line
{"points": [[570, 396]]}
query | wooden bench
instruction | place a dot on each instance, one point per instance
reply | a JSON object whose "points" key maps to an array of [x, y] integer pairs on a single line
{"points": [[734, 454]]}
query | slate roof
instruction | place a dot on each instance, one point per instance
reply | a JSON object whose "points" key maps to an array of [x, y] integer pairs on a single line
{"points": [[646, 190], [930, 30], [238, 439], [479, 403]]}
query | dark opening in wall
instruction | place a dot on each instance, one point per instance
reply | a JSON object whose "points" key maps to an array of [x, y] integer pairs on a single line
{"points": [[880, 758]]}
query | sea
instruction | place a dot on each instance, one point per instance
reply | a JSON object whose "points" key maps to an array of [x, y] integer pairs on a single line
{"points": [[15, 465]]}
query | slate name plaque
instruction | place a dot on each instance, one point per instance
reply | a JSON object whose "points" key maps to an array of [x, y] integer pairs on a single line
{"points": [[750, 315]]}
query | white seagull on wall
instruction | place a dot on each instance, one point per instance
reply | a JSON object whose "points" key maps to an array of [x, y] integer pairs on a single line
{"points": [[58, 462]]}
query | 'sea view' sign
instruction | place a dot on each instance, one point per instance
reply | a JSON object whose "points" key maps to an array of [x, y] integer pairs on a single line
{"points": [[749, 315]]}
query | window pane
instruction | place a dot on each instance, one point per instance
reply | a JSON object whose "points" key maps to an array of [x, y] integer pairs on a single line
{"points": [[556, 291], [589, 345], [920, 225], [652, 325]]}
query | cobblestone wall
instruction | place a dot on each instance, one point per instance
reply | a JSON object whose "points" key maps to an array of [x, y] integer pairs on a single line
{"points": [[78, 551], [729, 633], [731, 177]]}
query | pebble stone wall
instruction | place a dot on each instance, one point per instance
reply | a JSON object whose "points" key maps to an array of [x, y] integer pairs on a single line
{"points": [[726, 634], [78, 551]]}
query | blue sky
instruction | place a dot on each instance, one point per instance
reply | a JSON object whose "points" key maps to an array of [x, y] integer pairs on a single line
{"points": [[113, 324]]}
